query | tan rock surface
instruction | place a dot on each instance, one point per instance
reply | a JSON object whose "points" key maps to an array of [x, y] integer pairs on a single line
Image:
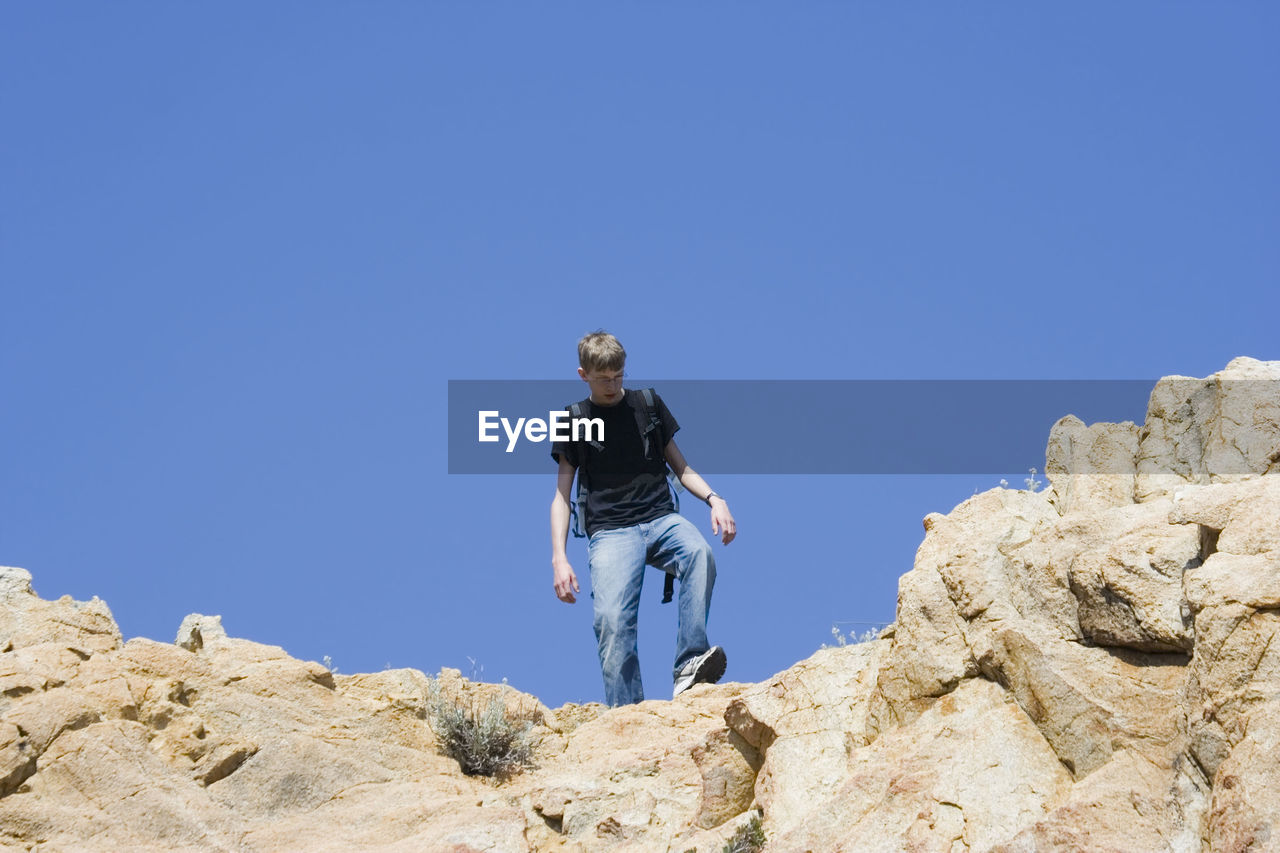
{"points": [[1091, 467], [1218, 429], [1093, 667], [1127, 579], [1246, 791], [806, 722], [1129, 803], [964, 774], [26, 620]]}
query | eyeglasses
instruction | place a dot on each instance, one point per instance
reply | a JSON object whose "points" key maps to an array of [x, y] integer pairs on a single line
{"points": [[607, 381]]}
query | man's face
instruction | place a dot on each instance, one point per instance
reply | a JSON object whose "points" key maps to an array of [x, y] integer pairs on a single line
{"points": [[606, 385]]}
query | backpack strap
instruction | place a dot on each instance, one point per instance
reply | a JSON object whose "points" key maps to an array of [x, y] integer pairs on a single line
{"points": [[649, 421], [577, 411], [578, 506]]}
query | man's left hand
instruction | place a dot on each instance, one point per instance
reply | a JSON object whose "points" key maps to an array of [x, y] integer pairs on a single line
{"points": [[722, 520]]}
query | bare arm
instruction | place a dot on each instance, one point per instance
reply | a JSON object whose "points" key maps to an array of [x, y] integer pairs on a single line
{"points": [[721, 518], [565, 581]]}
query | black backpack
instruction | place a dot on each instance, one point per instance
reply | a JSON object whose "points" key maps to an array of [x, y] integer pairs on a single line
{"points": [[650, 425]]}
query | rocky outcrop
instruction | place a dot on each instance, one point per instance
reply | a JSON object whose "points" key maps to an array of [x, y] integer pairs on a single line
{"points": [[1091, 667], [216, 743]]}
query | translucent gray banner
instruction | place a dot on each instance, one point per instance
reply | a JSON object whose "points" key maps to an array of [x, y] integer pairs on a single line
{"points": [[857, 426]]}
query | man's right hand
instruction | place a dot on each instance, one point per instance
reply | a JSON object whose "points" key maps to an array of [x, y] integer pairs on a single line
{"points": [[566, 582]]}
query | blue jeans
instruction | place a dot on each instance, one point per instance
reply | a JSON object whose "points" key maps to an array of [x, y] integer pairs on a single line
{"points": [[617, 560]]}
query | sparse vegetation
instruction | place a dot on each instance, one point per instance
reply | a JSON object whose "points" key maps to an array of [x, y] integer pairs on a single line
{"points": [[1032, 483], [748, 839], [488, 742], [854, 637]]}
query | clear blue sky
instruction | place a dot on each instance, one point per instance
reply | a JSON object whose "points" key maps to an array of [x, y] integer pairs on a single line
{"points": [[243, 247]]}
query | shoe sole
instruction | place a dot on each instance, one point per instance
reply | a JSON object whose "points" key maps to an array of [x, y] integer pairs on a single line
{"points": [[711, 670]]}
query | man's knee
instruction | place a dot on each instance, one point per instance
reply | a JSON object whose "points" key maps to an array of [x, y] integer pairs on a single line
{"points": [[612, 623], [709, 560], [699, 550]]}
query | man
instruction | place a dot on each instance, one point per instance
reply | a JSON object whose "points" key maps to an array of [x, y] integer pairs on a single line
{"points": [[630, 522]]}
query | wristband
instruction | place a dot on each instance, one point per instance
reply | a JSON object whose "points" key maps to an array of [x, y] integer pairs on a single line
{"points": [[710, 496]]}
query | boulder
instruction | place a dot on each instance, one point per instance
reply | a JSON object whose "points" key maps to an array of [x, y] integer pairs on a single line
{"points": [[1091, 467], [1223, 428], [28, 620], [964, 774], [806, 721]]}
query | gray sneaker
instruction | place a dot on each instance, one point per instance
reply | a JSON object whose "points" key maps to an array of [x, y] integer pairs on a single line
{"points": [[706, 668]]}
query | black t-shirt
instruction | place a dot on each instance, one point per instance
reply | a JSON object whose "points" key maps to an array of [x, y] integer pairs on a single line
{"points": [[624, 486]]}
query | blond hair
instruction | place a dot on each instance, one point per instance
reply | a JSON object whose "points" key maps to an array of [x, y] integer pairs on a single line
{"points": [[600, 350]]}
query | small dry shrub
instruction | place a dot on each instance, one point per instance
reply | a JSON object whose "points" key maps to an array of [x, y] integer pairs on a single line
{"points": [[748, 839], [487, 742]]}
